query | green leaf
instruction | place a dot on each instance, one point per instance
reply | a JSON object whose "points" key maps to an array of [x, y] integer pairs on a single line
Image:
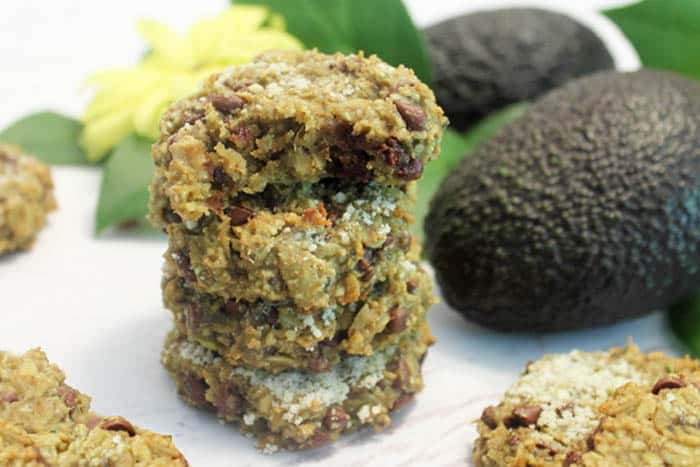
{"points": [[125, 180], [49, 136], [454, 148], [666, 33], [381, 27], [685, 322]]}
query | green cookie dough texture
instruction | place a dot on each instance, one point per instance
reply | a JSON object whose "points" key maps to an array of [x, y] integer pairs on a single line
{"points": [[26, 197], [278, 336], [43, 421], [486, 60], [291, 117], [596, 409], [298, 409], [316, 246]]}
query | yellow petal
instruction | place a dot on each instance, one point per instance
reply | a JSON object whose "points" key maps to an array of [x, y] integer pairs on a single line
{"points": [[147, 115], [277, 22], [203, 37], [129, 90], [242, 49], [101, 135], [165, 43]]}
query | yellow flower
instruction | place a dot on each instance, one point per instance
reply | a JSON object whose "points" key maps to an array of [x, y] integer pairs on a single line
{"points": [[133, 99]]}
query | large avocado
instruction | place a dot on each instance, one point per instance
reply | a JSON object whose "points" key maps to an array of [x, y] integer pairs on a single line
{"points": [[484, 61], [583, 211]]}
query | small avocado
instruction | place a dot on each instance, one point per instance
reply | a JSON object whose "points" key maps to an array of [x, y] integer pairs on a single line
{"points": [[583, 211], [486, 60]]}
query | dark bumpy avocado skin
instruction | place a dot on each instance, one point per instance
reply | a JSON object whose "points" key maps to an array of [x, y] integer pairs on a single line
{"points": [[487, 60], [582, 212]]}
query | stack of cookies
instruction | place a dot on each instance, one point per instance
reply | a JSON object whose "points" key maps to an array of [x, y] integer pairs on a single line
{"points": [[286, 188]]}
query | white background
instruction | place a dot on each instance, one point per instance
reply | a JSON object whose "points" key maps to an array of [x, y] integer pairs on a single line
{"points": [[94, 304]]}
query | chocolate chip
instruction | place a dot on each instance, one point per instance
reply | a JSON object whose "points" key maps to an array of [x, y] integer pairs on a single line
{"points": [[239, 215], [524, 415], [412, 171], [668, 382], [182, 260], [342, 137], [194, 390], [9, 396], [69, 395], [118, 424], [220, 179], [232, 307], [572, 457], [398, 318], [405, 167], [226, 103], [403, 400], [488, 417], [413, 115], [394, 154], [336, 419], [228, 402], [550, 450], [170, 216], [365, 266], [411, 285]]}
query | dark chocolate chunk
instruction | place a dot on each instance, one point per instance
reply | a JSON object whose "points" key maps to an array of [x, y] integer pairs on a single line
{"points": [[668, 382], [488, 416], [398, 318], [336, 419], [413, 115], [523, 415], [239, 215], [118, 424], [226, 103]]}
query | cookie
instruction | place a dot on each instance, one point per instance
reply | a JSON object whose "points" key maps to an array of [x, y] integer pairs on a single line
{"points": [[298, 409], [292, 117], [286, 188], [276, 336], [314, 246], [26, 197], [43, 421], [621, 407]]}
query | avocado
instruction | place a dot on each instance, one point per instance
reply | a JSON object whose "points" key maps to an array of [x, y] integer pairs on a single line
{"points": [[583, 211], [486, 60]]}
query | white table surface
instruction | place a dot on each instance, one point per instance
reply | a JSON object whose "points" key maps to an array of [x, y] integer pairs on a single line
{"points": [[94, 304]]}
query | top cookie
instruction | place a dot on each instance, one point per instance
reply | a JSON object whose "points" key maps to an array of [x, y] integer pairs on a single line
{"points": [[292, 117], [43, 421], [616, 408]]}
